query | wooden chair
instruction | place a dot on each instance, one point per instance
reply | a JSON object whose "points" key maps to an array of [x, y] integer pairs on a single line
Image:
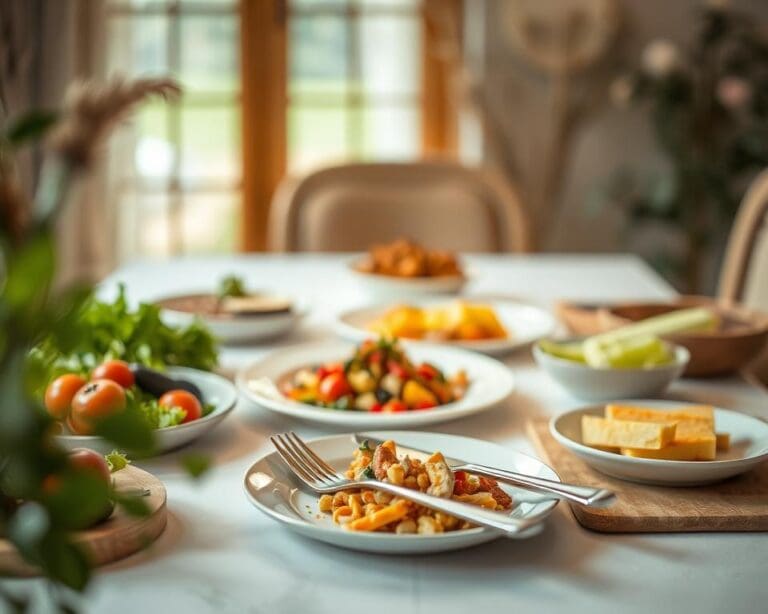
{"points": [[744, 275], [440, 204]]}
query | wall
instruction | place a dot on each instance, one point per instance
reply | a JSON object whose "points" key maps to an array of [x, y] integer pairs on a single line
{"points": [[609, 137]]}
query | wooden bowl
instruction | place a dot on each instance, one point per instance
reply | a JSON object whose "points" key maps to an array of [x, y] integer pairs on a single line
{"points": [[741, 336]]}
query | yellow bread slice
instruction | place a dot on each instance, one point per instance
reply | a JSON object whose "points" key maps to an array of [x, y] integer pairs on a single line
{"points": [[616, 411], [723, 441], [701, 449], [597, 431]]}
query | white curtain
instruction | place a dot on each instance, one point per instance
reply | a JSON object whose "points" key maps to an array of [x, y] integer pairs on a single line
{"points": [[44, 45]]}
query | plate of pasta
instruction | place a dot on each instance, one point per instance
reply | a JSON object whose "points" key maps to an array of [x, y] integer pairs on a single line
{"points": [[372, 521]]}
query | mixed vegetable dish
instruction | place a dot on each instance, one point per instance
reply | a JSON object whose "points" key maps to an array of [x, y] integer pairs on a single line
{"points": [[378, 377], [79, 401]]}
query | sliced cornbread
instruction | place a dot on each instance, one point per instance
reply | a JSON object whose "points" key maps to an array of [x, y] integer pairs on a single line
{"points": [[696, 448], [617, 411], [597, 431]]}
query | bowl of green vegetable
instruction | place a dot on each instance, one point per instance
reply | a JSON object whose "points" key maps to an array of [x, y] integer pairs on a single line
{"points": [[564, 361], [631, 361]]}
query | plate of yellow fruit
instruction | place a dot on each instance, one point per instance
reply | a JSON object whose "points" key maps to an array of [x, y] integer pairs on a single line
{"points": [[493, 328], [663, 442]]}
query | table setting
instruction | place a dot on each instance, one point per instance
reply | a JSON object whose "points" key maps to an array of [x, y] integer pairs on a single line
{"points": [[568, 522]]}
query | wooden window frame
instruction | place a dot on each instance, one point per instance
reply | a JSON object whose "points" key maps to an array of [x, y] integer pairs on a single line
{"points": [[264, 77]]}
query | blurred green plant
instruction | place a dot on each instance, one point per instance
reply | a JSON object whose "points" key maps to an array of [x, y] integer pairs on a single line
{"points": [[709, 113], [37, 519]]}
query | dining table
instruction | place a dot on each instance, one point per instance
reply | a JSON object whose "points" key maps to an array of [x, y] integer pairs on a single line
{"points": [[220, 554]]}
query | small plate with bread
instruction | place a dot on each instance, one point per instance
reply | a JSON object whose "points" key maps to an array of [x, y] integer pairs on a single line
{"points": [[663, 442]]}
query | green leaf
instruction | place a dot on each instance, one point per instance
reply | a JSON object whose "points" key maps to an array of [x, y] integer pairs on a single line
{"points": [[127, 430], [29, 275], [65, 561], [134, 506], [196, 465], [31, 125], [28, 527], [78, 500]]}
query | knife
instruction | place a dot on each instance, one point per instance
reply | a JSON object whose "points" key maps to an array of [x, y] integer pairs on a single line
{"points": [[583, 495]]}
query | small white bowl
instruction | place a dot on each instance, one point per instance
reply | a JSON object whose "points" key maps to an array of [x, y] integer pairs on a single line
{"points": [[220, 392], [595, 384], [749, 447], [383, 287], [230, 329]]}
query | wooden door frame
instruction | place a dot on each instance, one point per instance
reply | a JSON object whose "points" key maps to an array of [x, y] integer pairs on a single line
{"points": [[264, 76]]}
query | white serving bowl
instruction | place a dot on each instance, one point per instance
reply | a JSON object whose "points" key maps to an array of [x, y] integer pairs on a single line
{"points": [[749, 447], [216, 390], [595, 384], [390, 287]]}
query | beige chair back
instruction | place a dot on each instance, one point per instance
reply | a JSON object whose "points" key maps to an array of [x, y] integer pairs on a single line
{"points": [[744, 276], [440, 204]]}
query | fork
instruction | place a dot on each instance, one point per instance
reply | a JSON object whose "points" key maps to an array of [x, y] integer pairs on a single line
{"points": [[322, 478]]}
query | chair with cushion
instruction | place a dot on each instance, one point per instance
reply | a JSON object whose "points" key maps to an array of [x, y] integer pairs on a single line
{"points": [[439, 204]]}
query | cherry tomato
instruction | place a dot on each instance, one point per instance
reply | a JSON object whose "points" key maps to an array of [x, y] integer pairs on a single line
{"points": [[183, 400], [376, 357], [97, 399], [333, 386], [427, 371], [116, 370], [395, 368], [59, 394], [425, 405], [83, 459], [332, 367], [394, 406], [376, 407]]}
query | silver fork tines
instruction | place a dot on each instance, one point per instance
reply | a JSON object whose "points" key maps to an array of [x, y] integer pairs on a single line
{"points": [[322, 478]]}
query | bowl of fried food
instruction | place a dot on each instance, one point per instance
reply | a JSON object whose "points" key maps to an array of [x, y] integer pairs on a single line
{"points": [[404, 268]]}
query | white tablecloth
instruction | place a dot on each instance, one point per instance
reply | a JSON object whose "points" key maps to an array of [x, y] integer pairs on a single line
{"points": [[221, 555]]}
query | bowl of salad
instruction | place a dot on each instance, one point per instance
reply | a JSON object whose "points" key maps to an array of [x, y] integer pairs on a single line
{"points": [[376, 382], [180, 404], [123, 359]]}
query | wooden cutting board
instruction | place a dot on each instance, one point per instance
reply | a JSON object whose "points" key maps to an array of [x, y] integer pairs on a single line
{"points": [[117, 537], [738, 504]]}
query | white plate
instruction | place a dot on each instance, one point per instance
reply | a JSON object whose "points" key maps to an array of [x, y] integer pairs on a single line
{"points": [[273, 490], [524, 323], [749, 447], [379, 286], [240, 329], [216, 390], [490, 383]]}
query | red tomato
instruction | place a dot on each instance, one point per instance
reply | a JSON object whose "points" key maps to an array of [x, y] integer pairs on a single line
{"points": [[333, 386], [427, 371], [59, 394], [376, 407], [116, 370], [83, 459], [97, 399], [332, 367], [395, 368], [393, 406], [425, 405], [183, 400], [376, 357]]}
